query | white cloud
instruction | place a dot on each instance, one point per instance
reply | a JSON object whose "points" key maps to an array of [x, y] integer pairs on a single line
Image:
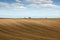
{"points": [[43, 6], [42, 3], [49, 6], [18, 1], [4, 4], [33, 3], [13, 5], [17, 5], [39, 1], [34, 6]]}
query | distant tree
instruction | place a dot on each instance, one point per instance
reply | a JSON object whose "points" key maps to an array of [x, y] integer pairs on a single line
{"points": [[29, 17], [24, 17]]}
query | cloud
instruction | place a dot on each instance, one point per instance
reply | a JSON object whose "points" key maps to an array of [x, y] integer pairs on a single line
{"points": [[43, 6], [49, 6], [39, 1], [42, 3], [18, 1], [13, 5], [17, 5], [4, 4], [32, 4]]}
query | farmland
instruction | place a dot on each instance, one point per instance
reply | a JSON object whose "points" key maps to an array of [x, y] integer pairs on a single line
{"points": [[29, 29]]}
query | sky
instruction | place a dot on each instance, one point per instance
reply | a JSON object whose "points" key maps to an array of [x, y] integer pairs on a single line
{"points": [[30, 8]]}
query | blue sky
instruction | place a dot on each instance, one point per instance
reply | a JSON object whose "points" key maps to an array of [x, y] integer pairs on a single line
{"points": [[30, 8]]}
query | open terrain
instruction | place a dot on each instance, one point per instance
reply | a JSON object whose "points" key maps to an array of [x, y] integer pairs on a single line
{"points": [[29, 29]]}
